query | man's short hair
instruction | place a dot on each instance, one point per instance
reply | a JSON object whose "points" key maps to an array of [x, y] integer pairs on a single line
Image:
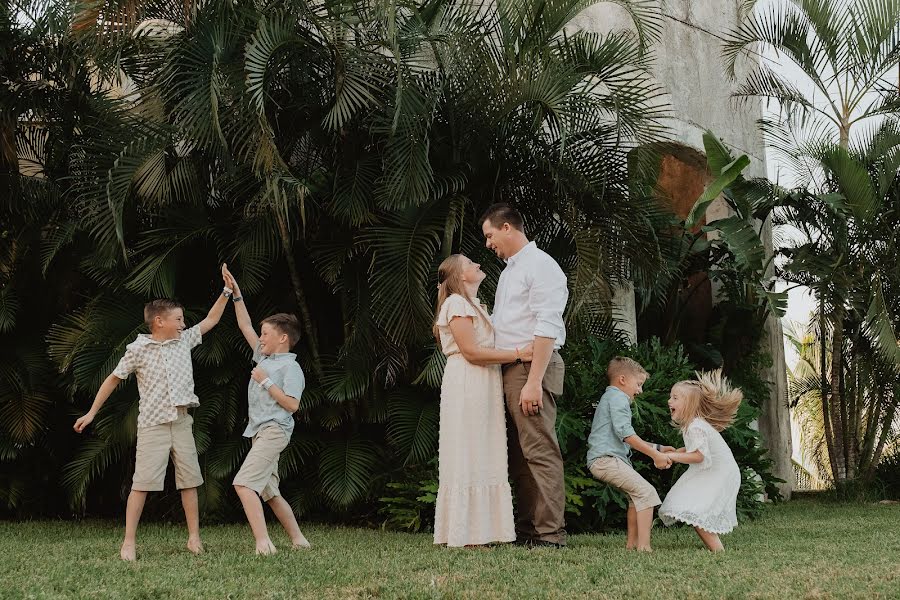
{"points": [[501, 213], [285, 323], [159, 307], [622, 365]]}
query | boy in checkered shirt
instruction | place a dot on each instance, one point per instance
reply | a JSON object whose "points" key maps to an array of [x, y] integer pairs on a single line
{"points": [[161, 361]]}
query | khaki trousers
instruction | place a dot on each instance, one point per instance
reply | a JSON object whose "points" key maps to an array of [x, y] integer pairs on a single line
{"points": [[535, 462]]}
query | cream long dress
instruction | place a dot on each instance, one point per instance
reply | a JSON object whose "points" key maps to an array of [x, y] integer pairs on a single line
{"points": [[474, 500]]}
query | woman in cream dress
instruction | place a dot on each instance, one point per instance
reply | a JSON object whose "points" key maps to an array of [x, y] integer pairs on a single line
{"points": [[474, 500]]}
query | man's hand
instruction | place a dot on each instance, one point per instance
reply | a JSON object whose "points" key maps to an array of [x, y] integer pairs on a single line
{"points": [[661, 461], [531, 399], [83, 422], [667, 449], [259, 375]]}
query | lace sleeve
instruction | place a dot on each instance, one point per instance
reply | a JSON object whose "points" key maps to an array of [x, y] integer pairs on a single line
{"points": [[697, 438]]}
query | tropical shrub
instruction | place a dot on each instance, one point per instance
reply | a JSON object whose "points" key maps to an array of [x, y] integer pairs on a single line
{"points": [[332, 153]]}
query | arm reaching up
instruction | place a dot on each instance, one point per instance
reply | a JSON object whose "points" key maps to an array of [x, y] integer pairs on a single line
{"points": [[245, 323], [215, 313]]}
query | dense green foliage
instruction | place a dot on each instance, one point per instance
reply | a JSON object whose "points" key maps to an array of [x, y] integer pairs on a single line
{"points": [[836, 129], [332, 153]]}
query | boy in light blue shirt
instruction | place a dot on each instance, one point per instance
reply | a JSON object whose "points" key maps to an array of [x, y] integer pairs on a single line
{"points": [[273, 397], [610, 444]]}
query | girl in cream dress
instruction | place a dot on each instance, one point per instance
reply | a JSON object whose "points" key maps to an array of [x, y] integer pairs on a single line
{"points": [[706, 495]]}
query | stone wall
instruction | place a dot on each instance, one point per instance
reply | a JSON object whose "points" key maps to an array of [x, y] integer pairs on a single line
{"points": [[688, 63]]}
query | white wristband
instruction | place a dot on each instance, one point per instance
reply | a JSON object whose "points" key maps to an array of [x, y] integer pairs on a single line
{"points": [[266, 384]]}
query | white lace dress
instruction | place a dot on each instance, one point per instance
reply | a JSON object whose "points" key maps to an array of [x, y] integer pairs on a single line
{"points": [[474, 500], [706, 495]]}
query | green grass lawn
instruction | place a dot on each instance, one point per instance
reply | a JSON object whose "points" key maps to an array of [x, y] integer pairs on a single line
{"points": [[802, 549]]}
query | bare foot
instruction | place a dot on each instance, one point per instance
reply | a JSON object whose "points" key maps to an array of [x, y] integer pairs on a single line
{"points": [[127, 553], [265, 548], [301, 543], [195, 545], [644, 549]]}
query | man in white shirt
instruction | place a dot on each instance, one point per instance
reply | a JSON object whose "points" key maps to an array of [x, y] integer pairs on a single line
{"points": [[528, 309]]}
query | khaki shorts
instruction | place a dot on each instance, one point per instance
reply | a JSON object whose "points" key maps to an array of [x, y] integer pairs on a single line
{"points": [[260, 469], [619, 474], [155, 444]]}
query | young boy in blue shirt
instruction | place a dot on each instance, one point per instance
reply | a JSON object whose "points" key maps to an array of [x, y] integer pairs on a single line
{"points": [[273, 397], [611, 441]]}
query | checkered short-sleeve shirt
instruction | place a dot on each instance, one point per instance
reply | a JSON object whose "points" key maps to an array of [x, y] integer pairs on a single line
{"points": [[165, 375]]}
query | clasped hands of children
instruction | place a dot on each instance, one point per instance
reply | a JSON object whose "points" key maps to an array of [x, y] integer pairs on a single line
{"points": [[662, 460]]}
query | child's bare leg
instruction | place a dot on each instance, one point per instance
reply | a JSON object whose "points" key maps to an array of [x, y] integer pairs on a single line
{"points": [[285, 515], [710, 540], [133, 510], [632, 539], [254, 510], [192, 516], [644, 520]]}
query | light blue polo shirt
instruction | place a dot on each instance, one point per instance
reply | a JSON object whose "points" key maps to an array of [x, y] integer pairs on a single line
{"points": [[285, 372], [612, 424]]}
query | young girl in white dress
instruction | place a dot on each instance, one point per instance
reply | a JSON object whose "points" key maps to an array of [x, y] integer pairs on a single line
{"points": [[474, 500], [706, 495]]}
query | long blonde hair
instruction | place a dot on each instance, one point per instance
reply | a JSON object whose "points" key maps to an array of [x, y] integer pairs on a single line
{"points": [[711, 398], [450, 282]]}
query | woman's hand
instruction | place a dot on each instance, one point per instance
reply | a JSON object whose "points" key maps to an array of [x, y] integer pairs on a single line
{"points": [[527, 353]]}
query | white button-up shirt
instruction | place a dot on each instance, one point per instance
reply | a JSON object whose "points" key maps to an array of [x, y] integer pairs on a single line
{"points": [[531, 296], [165, 375]]}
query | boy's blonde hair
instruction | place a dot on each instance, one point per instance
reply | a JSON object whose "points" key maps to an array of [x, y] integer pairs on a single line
{"points": [[622, 365], [711, 398], [284, 323], [159, 307]]}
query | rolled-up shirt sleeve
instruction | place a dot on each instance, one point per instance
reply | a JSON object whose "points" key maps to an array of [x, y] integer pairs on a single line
{"points": [[620, 415], [547, 299]]}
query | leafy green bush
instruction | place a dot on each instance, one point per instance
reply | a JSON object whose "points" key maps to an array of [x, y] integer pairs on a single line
{"points": [[887, 475], [592, 505]]}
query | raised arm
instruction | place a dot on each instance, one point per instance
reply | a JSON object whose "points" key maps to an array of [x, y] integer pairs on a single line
{"points": [[106, 389], [463, 330], [245, 323], [215, 313]]}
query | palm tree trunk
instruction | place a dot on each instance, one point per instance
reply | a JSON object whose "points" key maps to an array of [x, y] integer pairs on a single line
{"points": [[823, 385], [836, 403], [305, 317]]}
